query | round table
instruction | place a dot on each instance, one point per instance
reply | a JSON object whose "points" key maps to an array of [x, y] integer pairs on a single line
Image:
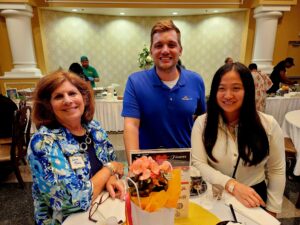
{"points": [[108, 112], [203, 210], [278, 106], [291, 128]]}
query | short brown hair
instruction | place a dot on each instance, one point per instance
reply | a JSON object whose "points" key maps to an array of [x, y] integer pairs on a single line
{"points": [[164, 26], [42, 113]]}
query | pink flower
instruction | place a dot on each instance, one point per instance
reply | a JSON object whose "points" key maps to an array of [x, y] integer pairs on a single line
{"points": [[154, 167], [146, 174], [136, 168], [146, 167], [166, 166]]}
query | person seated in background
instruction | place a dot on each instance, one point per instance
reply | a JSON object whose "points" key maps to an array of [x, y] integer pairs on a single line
{"points": [[70, 156], [77, 69], [262, 83], [228, 60], [278, 74], [7, 109], [238, 147], [89, 71]]}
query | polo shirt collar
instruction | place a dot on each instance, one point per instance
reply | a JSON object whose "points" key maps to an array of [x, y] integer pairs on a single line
{"points": [[157, 82]]}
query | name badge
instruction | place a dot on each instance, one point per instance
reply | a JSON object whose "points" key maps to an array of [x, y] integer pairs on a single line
{"points": [[76, 162]]}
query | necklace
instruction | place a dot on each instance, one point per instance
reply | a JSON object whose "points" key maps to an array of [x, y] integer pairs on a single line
{"points": [[87, 141], [232, 128]]}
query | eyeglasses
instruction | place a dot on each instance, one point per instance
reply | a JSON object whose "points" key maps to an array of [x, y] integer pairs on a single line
{"points": [[95, 206]]}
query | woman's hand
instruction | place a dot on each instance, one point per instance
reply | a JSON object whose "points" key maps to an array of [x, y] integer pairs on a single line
{"points": [[115, 187], [247, 196], [118, 167]]}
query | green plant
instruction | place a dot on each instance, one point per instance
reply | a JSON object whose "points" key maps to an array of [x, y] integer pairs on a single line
{"points": [[145, 60]]}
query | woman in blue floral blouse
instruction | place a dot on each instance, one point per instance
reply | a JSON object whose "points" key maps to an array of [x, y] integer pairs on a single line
{"points": [[70, 156]]}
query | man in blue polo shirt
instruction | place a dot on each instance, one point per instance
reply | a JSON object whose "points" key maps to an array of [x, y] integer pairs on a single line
{"points": [[160, 104]]}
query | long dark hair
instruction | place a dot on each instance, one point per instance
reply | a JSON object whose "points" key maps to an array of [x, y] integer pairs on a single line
{"points": [[253, 145]]}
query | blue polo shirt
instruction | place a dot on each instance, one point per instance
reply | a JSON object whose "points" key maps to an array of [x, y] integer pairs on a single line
{"points": [[166, 115]]}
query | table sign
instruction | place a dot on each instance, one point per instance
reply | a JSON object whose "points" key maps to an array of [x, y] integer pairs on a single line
{"points": [[179, 158]]}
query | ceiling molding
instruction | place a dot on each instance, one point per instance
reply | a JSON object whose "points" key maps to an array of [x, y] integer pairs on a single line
{"points": [[153, 2]]}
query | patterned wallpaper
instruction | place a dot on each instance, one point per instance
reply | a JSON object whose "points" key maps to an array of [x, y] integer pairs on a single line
{"points": [[112, 43]]}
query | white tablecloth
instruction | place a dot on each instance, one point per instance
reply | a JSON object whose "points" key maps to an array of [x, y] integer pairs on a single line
{"points": [[250, 216], [278, 106], [108, 112], [291, 128]]}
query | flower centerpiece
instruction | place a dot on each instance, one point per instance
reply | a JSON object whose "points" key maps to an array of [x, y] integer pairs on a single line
{"points": [[153, 192], [149, 176], [145, 60]]}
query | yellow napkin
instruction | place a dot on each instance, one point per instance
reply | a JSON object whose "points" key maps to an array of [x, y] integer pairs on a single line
{"points": [[168, 199], [198, 216]]}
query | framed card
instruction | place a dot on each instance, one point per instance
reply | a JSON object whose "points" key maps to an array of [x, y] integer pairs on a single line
{"points": [[179, 158], [12, 93]]}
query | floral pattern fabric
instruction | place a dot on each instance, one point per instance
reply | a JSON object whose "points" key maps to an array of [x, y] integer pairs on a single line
{"points": [[262, 83], [57, 189]]}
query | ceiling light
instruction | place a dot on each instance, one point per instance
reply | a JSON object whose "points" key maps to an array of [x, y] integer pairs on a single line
{"points": [[122, 13], [74, 10], [175, 13]]}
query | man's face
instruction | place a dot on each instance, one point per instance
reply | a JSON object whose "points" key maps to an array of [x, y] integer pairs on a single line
{"points": [[165, 50], [85, 63]]}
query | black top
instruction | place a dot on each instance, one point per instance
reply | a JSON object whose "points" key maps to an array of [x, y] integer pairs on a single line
{"points": [[7, 108], [95, 163], [275, 76]]}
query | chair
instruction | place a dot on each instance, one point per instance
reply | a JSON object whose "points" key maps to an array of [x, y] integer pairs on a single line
{"points": [[290, 155], [17, 150], [8, 140]]}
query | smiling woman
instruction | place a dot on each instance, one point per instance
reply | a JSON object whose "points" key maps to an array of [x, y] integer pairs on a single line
{"points": [[68, 105], [70, 156], [237, 147]]}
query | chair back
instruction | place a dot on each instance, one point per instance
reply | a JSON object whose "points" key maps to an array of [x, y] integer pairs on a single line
{"points": [[21, 133]]}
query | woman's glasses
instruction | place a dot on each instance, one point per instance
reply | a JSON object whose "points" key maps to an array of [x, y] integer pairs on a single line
{"points": [[95, 206]]}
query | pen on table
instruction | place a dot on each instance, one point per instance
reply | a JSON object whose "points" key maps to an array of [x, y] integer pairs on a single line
{"points": [[233, 213]]}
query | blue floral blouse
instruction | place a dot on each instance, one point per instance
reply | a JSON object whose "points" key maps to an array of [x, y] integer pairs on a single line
{"points": [[57, 189]]}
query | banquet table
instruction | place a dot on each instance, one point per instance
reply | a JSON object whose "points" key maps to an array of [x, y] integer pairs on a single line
{"points": [[203, 210], [291, 128], [108, 112], [278, 106]]}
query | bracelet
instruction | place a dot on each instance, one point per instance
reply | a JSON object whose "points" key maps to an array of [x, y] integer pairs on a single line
{"points": [[231, 186], [111, 168]]}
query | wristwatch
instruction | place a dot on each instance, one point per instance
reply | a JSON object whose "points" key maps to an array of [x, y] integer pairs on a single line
{"points": [[111, 168], [231, 187]]}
